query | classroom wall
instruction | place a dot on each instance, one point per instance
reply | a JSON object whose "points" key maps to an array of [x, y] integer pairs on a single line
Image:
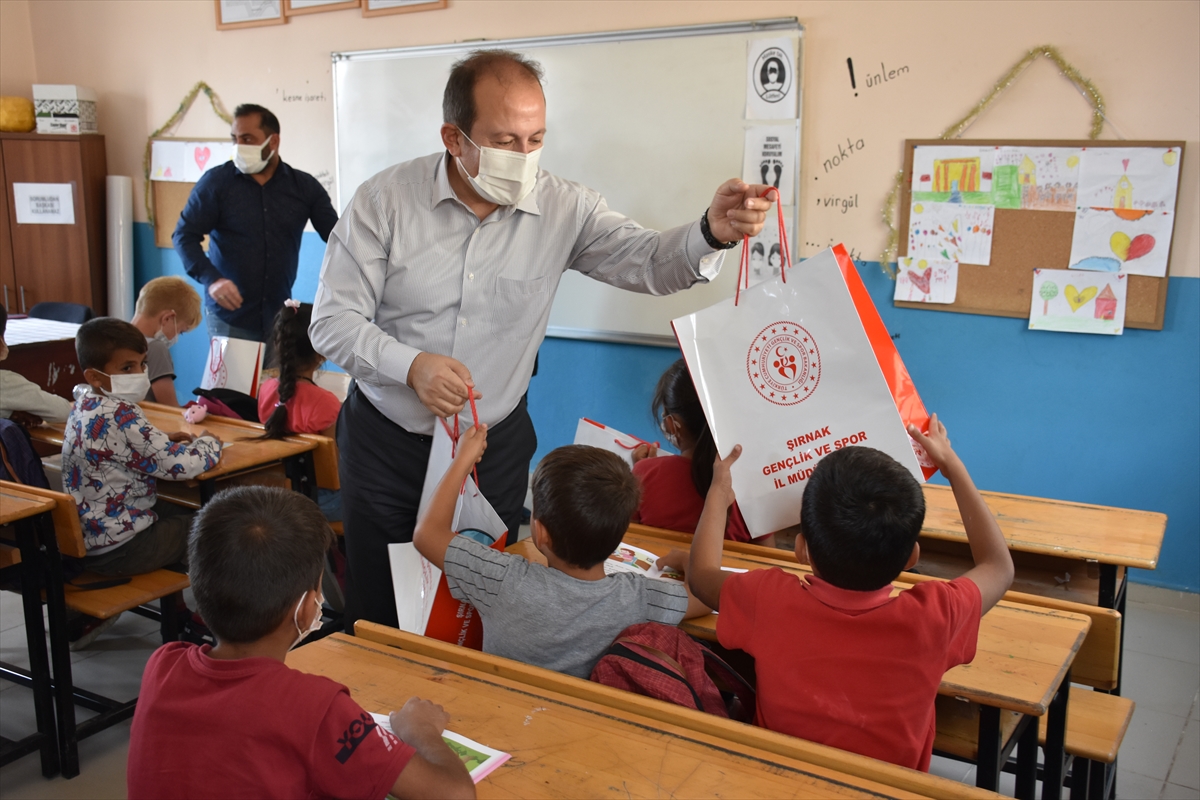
{"points": [[17, 68], [1085, 418]]}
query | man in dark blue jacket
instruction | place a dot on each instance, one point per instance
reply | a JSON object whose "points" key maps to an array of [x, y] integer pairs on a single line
{"points": [[253, 209]]}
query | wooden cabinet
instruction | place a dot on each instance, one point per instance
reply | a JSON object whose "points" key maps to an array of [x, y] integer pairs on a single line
{"points": [[64, 263]]}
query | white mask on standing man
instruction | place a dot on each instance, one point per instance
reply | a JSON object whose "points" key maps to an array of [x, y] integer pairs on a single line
{"points": [[252, 159], [505, 176]]}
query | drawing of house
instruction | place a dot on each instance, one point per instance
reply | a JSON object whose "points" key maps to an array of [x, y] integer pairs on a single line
{"points": [[1123, 196], [1027, 172], [964, 170], [1106, 303]]}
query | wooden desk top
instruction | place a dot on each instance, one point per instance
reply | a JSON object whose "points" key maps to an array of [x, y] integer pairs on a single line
{"points": [[17, 505], [1022, 656], [239, 453], [563, 746], [1105, 534]]}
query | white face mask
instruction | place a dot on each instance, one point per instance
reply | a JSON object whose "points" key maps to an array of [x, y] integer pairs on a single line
{"points": [[131, 388], [505, 177], [312, 626], [248, 158], [162, 334]]}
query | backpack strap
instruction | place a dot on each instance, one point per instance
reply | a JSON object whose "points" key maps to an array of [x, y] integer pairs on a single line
{"points": [[620, 650], [654, 651]]}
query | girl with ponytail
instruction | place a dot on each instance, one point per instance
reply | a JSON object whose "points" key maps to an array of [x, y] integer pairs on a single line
{"points": [[674, 487], [292, 403]]}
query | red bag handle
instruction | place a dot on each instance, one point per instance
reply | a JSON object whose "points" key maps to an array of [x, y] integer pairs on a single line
{"points": [[454, 437], [744, 266]]}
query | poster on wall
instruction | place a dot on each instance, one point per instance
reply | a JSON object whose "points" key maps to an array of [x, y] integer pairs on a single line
{"points": [[1105, 241], [766, 251], [1078, 302], [951, 232], [1036, 178], [771, 85], [953, 174], [770, 159], [1128, 179], [921, 280]]}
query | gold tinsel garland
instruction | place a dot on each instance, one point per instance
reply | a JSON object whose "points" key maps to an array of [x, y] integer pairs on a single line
{"points": [[1085, 86], [218, 108]]}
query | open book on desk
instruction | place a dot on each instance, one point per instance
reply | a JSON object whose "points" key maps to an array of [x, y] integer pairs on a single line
{"points": [[480, 760]]}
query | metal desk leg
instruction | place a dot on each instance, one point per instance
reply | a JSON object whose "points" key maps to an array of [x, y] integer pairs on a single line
{"points": [[1027, 755], [1055, 748], [302, 472], [60, 652], [35, 635], [207, 490], [988, 761]]}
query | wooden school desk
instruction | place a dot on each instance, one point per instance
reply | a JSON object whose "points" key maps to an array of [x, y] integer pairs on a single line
{"points": [[241, 452], [22, 510], [564, 746], [1022, 664], [43, 351]]}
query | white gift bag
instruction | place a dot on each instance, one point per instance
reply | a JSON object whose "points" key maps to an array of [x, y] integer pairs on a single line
{"points": [[599, 435], [790, 374], [233, 364]]}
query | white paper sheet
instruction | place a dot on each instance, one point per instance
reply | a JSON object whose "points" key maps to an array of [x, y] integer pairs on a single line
{"points": [[950, 232], [1078, 302], [770, 158], [771, 88], [1102, 241], [44, 203], [167, 161], [1137, 178], [479, 759], [628, 558], [942, 169], [920, 280]]}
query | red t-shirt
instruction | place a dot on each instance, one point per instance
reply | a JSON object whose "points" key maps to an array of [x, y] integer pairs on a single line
{"points": [[253, 728], [855, 670], [670, 499], [311, 409]]}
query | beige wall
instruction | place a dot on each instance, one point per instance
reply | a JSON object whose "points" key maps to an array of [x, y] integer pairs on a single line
{"points": [[17, 70], [141, 57]]}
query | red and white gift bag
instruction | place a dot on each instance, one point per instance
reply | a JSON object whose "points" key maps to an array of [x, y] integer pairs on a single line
{"points": [[793, 369]]}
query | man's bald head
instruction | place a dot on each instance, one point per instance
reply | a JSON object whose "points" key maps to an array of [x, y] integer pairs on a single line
{"points": [[458, 101]]}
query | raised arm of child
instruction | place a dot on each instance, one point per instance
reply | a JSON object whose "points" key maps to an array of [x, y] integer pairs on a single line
{"points": [[704, 573], [993, 571], [435, 771], [433, 532]]}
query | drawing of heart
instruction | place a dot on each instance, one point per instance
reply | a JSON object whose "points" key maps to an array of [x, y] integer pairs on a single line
{"points": [[1078, 299], [920, 280], [1125, 163], [1119, 242], [1142, 244], [202, 155]]}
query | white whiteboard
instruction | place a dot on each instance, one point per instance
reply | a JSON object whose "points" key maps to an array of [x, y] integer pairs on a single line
{"points": [[652, 119]]}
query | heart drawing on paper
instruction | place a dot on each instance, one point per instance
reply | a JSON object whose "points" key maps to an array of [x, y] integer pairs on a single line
{"points": [[920, 280], [1128, 249], [202, 155], [1125, 163], [1078, 299]]}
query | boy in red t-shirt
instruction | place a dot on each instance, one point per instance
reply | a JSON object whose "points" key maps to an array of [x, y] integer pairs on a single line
{"points": [[838, 659], [234, 720]]}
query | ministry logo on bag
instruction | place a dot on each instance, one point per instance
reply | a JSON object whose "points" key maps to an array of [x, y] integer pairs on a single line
{"points": [[784, 363]]}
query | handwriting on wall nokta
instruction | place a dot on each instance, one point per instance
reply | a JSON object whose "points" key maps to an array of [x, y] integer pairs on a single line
{"points": [[844, 152]]}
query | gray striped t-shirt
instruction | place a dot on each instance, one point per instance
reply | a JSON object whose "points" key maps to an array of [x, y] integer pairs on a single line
{"points": [[544, 617]]}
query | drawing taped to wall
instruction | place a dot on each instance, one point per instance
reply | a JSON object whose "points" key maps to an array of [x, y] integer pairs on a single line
{"points": [[1105, 242], [950, 232], [921, 280], [1078, 302], [1128, 179], [953, 174], [1036, 178]]}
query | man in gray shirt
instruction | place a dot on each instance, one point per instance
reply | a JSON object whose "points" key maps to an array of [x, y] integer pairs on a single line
{"points": [[437, 286], [565, 615]]}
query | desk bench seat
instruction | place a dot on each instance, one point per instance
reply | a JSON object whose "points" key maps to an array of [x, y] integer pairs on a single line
{"points": [[108, 602]]}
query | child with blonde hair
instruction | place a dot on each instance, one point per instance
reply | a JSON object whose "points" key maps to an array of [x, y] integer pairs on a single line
{"points": [[167, 308]]}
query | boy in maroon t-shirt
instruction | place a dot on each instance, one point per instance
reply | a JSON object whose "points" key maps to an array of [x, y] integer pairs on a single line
{"points": [[838, 659], [234, 720]]}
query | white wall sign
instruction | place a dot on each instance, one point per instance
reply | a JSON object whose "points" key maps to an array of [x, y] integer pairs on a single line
{"points": [[44, 203]]}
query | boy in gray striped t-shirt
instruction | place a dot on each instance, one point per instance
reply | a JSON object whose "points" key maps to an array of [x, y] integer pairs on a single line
{"points": [[563, 616]]}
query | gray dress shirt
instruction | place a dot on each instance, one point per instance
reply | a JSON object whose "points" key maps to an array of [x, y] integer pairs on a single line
{"points": [[409, 269]]}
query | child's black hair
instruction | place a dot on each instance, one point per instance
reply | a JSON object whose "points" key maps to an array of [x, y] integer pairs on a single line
{"points": [[676, 394], [97, 339], [585, 497], [860, 517], [253, 552], [295, 353]]}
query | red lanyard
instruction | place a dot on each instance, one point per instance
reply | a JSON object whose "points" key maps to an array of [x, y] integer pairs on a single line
{"points": [[454, 437], [744, 266]]}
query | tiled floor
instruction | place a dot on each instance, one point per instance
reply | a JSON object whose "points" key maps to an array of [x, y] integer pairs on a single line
{"points": [[1160, 757]]}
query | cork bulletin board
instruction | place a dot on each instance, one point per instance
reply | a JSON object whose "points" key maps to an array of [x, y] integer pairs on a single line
{"points": [[1024, 240]]}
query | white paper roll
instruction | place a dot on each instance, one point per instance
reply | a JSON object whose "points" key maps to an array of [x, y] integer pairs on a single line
{"points": [[120, 246]]}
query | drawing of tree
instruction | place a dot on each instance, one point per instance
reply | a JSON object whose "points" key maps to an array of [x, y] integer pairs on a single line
{"points": [[1048, 292]]}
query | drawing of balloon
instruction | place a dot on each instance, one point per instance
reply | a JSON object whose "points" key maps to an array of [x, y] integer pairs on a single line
{"points": [[1169, 158], [1141, 244], [1048, 292], [1119, 242], [1072, 161]]}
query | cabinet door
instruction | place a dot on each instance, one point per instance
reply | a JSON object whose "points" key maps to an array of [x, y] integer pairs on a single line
{"points": [[8, 278], [50, 261]]}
